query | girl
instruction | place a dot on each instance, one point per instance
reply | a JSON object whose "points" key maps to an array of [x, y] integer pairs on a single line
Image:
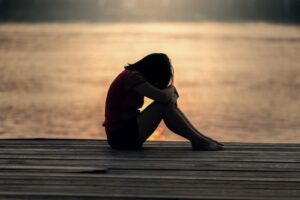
{"points": [[128, 128]]}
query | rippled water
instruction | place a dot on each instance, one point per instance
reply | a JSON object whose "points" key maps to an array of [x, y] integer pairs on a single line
{"points": [[237, 82]]}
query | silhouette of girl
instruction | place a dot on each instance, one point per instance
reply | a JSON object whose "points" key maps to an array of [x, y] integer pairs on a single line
{"points": [[128, 128]]}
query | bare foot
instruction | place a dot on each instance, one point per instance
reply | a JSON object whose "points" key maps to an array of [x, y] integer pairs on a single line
{"points": [[214, 141], [211, 146]]}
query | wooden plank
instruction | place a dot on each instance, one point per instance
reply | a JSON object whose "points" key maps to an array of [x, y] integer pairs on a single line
{"points": [[146, 181], [194, 186], [153, 191], [74, 142], [70, 169], [249, 175], [71, 143], [89, 169], [95, 175], [208, 173], [180, 153], [60, 196], [147, 145], [82, 141], [122, 157], [159, 165], [147, 152]]}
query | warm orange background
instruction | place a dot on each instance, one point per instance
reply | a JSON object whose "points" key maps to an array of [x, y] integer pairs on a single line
{"points": [[237, 82]]}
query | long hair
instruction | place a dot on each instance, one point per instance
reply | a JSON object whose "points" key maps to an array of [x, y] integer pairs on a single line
{"points": [[156, 69]]}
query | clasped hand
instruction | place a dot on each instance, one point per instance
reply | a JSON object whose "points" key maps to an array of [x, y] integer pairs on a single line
{"points": [[174, 95]]}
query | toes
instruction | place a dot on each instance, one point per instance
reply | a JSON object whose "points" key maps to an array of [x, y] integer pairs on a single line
{"points": [[211, 147]]}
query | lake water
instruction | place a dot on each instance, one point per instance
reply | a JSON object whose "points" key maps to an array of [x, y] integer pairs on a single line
{"points": [[237, 81]]}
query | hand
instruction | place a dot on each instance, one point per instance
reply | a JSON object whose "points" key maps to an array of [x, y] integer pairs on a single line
{"points": [[173, 90], [175, 95]]}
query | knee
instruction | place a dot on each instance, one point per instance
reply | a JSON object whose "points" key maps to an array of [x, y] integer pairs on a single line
{"points": [[165, 105]]}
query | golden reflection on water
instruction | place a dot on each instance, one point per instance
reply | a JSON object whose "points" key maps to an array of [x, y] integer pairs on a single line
{"points": [[237, 82]]}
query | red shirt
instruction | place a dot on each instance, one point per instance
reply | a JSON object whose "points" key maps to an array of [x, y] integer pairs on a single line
{"points": [[122, 103]]}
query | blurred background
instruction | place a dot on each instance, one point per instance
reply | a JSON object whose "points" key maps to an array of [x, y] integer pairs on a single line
{"points": [[236, 64]]}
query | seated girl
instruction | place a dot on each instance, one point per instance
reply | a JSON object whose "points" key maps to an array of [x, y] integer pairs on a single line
{"points": [[127, 127]]}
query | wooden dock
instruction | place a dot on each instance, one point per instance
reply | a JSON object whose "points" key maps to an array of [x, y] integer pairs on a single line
{"points": [[88, 169]]}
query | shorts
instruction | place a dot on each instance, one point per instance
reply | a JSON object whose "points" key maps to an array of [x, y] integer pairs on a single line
{"points": [[125, 137]]}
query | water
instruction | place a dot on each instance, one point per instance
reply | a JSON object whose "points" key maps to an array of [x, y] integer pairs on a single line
{"points": [[237, 82]]}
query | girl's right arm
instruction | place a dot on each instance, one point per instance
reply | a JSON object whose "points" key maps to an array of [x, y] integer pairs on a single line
{"points": [[162, 95]]}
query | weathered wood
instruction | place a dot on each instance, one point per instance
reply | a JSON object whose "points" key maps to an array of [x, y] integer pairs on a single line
{"points": [[168, 144], [155, 190], [159, 165], [104, 157], [89, 169], [228, 175], [68, 196], [89, 174], [146, 181]]}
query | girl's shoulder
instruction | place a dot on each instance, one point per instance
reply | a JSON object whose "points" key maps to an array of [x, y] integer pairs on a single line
{"points": [[133, 78], [132, 74]]}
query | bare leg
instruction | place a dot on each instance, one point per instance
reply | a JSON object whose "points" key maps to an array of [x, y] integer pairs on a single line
{"points": [[195, 129], [149, 119]]}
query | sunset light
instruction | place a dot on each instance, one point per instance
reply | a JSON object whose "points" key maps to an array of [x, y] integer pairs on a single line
{"points": [[237, 81], [150, 99]]}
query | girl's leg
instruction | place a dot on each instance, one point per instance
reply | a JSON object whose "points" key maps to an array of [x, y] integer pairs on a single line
{"points": [[195, 129], [149, 119]]}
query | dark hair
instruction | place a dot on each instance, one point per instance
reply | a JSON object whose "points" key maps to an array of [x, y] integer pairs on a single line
{"points": [[156, 69]]}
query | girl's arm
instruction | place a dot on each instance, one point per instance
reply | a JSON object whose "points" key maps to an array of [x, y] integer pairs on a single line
{"points": [[162, 95]]}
